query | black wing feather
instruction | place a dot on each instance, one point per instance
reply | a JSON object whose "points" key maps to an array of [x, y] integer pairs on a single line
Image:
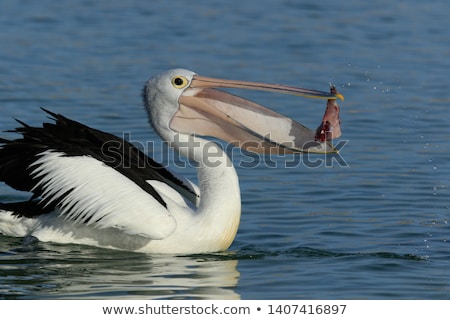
{"points": [[74, 139]]}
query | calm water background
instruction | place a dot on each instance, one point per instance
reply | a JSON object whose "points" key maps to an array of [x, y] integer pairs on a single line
{"points": [[376, 228]]}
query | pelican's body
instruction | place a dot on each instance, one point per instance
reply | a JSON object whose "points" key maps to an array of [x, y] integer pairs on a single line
{"points": [[90, 187]]}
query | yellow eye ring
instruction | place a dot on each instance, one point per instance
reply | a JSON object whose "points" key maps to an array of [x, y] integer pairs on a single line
{"points": [[180, 82]]}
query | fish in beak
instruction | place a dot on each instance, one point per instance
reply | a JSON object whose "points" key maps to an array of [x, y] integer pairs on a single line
{"points": [[204, 110], [330, 128]]}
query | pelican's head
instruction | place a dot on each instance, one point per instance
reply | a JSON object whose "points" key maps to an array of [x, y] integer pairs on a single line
{"points": [[180, 101]]}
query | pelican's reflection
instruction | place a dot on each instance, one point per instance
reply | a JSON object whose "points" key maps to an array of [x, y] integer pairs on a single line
{"points": [[92, 273], [195, 277]]}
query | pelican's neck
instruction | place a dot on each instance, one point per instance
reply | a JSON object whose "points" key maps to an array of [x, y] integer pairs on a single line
{"points": [[219, 209]]}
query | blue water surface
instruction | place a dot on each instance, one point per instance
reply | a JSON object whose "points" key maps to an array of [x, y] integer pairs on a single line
{"points": [[371, 224]]}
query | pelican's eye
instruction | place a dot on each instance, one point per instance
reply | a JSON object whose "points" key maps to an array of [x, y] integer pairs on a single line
{"points": [[180, 82]]}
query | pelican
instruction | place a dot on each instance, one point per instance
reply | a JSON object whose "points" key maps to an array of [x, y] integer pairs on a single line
{"points": [[90, 187]]}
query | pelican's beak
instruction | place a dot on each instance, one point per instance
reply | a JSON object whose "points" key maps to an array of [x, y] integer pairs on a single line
{"points": [[209, 112]]}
